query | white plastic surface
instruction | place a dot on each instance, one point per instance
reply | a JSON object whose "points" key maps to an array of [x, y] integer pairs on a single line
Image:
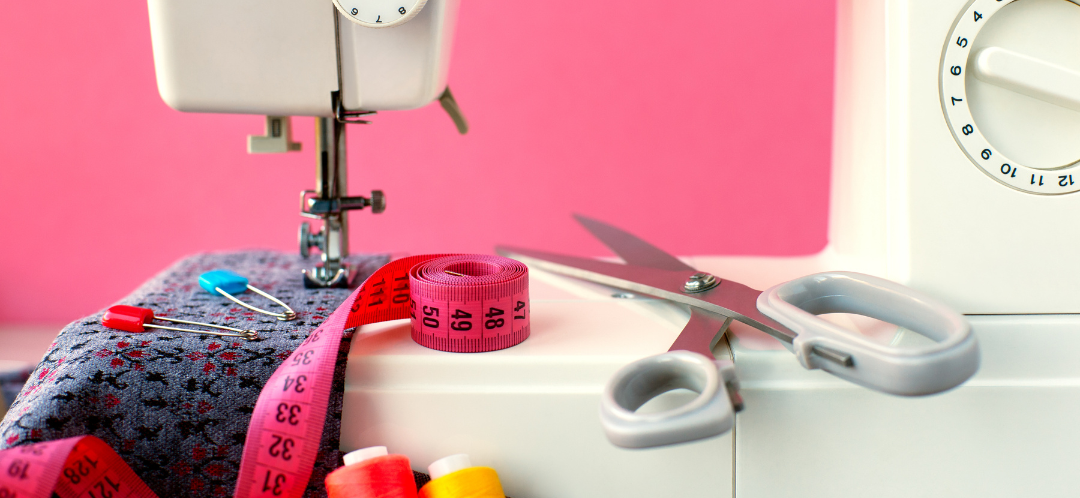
{"points": [[448, 465], [364, 454], [1007, 432], [531, 411], [399, 68], [907, 203], [273, 57], [279, 57]]}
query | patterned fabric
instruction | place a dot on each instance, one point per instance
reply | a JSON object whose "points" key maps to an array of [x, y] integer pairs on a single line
{"points": [[176, 406], [12, 379]]}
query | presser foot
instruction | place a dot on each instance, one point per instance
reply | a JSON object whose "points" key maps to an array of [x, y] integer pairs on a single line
{"points": [[319, 278]]}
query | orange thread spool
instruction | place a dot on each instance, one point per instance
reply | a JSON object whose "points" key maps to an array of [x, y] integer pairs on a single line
{"points": [[372, 473]]}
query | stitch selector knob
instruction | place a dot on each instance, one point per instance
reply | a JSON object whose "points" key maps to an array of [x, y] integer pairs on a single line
{"points": [[379, 13], [1010, 91]]}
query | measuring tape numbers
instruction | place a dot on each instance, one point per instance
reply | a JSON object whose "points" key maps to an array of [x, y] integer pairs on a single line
{"points": [[82, 466], [469, 304], [286, 427], [461, 303]]}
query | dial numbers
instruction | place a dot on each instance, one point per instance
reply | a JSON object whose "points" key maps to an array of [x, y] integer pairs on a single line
{"points": [[379, 13], [954, 103]]}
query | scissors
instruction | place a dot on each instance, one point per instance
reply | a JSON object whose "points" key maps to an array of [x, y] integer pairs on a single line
{"points": [[786, 311]]}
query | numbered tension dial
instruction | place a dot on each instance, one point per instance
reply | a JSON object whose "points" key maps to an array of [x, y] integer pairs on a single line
{"points": [[1010, 90], [379, 13]]}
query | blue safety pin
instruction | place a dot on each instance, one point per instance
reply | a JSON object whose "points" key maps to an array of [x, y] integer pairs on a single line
{"points": [[227, 283]]}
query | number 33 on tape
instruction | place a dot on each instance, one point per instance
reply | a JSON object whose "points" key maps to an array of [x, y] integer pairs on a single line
{"points": [[466, 303]]}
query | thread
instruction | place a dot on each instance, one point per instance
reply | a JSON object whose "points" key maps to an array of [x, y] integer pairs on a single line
{"points": [[454, 477], [372, 473]]}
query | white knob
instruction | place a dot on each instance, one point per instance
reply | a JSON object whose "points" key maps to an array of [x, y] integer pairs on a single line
{"points": [[1029, 76], [448, 465], [1019, 72], [1010, 91], [364, 454]]}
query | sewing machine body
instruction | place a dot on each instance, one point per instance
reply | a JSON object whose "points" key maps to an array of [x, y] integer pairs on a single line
{"points": [[531, 411], [907, 204], [287, 58], [280, 57]]}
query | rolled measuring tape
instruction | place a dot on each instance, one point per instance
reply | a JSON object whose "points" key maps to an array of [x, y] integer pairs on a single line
{"points": [[469, 303], [287, 424]]}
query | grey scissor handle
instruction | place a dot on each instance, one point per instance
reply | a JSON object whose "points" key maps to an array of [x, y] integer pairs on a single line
{"points": [[908, 371], [709, 414]]}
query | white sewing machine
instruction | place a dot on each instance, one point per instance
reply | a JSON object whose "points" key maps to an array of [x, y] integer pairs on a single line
{"points": [[336, 61], [953, 173]]}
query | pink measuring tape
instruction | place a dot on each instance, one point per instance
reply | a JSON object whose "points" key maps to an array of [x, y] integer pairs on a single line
{"points": [[469, 304], [82, 466], [459, 303]]}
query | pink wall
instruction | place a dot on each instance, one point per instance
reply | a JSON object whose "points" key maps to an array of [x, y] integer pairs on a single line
{"points": [[708, 133]]}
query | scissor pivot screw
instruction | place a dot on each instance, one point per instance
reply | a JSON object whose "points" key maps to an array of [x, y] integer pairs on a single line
{"points": [[700, 282]]}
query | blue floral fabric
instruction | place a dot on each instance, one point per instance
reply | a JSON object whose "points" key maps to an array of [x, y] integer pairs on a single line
{"points": [[174, 405]]}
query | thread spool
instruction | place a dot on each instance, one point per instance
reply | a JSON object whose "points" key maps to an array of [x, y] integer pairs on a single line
{"points": [[455, 477], [372, 473]]}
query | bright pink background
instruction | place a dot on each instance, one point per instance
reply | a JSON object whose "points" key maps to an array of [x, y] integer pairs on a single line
{"points": [[704, 127]]}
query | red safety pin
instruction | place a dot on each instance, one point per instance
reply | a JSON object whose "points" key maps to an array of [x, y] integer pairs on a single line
{"points": [[136, 319]]}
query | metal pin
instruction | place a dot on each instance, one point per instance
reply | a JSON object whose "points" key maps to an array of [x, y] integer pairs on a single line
{"points": [[454, 273], [227, 283], [136, 319], [839, 357]]}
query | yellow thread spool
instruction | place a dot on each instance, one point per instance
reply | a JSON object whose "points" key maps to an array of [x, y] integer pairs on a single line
{"points": [[455, 477]]}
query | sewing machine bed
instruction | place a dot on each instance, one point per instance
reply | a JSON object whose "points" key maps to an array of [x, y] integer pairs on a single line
{"points": [[174, 405]]}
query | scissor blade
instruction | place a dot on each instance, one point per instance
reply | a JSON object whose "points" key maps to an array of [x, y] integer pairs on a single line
{"points": [[630, 248], [643, 280], [728, 299], [702, 332]]}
